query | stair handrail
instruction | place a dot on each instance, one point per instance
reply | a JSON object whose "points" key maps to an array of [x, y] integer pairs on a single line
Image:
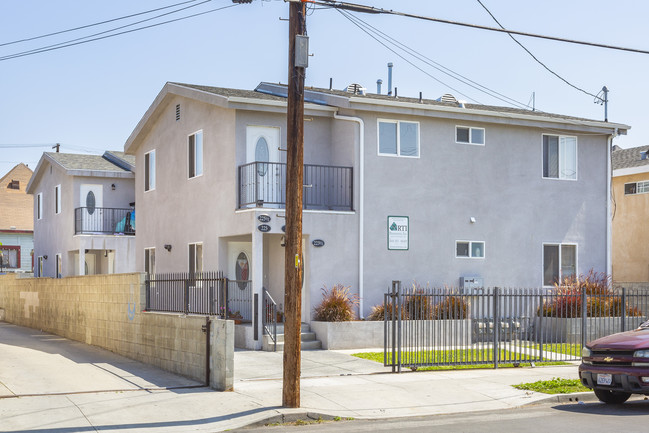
{"points": [[269, 317]]}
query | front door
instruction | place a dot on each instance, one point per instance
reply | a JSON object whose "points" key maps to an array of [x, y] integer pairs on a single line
{"points": [[264, 174], [91, 204]]}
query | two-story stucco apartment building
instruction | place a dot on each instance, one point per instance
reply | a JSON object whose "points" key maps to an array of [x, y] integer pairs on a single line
{"points": [[83, 213], [395, 189]]}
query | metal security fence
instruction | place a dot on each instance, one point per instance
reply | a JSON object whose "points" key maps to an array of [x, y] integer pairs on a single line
{"points": [[496, 326], [208, 293]]}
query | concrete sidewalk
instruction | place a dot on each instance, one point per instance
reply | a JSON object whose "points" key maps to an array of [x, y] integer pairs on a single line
{"points": [[48, 383]]}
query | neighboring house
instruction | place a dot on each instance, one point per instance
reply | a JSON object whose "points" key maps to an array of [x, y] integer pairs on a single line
{"points": [[631, 215], [84, 214], [395, 189], [16, 222]]}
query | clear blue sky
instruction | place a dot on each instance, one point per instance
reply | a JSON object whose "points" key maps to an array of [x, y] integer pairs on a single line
{"points": [[90, 97]]}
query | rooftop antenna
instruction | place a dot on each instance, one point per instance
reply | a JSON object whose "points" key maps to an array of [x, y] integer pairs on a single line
{"points": [[602, 99]]}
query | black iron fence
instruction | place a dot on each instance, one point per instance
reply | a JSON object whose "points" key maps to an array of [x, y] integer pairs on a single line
{"points": [[495, 326], [325, 187], [104, 220], [208, 293]]}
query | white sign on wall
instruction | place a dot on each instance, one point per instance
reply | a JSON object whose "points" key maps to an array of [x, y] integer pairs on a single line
{"points": [[398, 233]]}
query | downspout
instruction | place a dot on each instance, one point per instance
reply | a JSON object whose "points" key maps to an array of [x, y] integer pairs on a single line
{"points": [[609, 179], [361, 203]]}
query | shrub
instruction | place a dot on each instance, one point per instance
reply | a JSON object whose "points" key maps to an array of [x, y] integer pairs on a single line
{"points": [[378, 312], [452, 307], [338, 305], [418, 304]]}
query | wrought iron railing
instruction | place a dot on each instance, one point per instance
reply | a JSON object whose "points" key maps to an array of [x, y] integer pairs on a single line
{"points": [[495, 326], [104, 220], [325, 187], [269, 318]]}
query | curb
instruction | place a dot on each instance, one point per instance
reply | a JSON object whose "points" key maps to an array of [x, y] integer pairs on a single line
{"points": [[575, 397], [298, 415]]}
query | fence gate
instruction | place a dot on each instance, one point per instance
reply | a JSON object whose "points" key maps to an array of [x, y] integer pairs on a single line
{"points": [[496, 326]]}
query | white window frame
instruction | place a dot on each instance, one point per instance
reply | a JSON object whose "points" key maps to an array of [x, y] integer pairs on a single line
{"points": [[59, 266], [471, 129], [471, 256], [57, 199], [39, 264], [641, 187], [196, 261], [39, 206], [149, 171], [398, 123], [560, 176], [558, 244], [147, 260], [192, 150]]}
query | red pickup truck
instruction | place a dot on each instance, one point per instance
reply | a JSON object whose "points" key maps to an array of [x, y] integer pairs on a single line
{"points": [[616, 366]]}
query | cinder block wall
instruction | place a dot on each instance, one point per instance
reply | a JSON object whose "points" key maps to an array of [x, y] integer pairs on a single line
{"points": [[106, 311]]}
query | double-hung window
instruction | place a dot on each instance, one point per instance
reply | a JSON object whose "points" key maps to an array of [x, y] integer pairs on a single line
{"points": [[149, 171], [559, 263], [559, 157], [468, 135], [195, 153], [469, 249], [399, 138], [57, 199], [195, 258]]}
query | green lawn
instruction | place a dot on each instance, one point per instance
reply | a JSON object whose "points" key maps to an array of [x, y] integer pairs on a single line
{"points": [[554, 386], [457, 359], [565, 348]]}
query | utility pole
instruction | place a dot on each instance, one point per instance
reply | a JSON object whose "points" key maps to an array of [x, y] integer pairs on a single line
{"points": [[294, 185]]}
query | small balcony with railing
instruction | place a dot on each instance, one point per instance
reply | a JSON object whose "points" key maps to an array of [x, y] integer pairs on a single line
{"points": [[104, 221], [263, 184]]}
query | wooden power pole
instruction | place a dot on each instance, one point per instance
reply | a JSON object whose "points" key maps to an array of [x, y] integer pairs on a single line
{"points": [[294, 185]]}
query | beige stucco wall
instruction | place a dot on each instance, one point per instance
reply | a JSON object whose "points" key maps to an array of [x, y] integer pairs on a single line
{"points": [[630, 232], [105, 311]]}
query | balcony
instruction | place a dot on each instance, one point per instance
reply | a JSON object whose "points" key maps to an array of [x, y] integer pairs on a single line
{"points": [[263, 184], [104, 221]]}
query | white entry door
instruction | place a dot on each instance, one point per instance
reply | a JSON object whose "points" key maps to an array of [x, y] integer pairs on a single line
{"points": [[91, 204], [264, 179]]}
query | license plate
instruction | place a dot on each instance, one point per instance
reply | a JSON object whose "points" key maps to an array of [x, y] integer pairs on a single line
{"points": [[604, 379]]}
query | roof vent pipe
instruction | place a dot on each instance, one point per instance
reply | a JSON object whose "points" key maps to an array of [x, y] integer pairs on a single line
{"points": [[390, 79], [331, 83], [378, 86], [421, 99], [395, 92]]}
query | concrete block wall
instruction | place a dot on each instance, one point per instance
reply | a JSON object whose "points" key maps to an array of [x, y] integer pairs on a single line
{"points": [[106, 311]]}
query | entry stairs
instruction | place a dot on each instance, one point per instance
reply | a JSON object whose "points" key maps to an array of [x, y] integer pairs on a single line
{"points": [[308, 338]]}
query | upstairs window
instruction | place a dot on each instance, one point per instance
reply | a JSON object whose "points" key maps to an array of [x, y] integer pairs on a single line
{"points": [[14, 184], [195, 258], [559, 157], [39, 205], [195, 152], [641, 187], [398, 138], [57, 199], [149, 171], [468, 135]]}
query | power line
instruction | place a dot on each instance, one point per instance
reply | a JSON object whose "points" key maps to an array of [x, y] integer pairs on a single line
{"points": [[66, 43], [449, 72], [43, 50], [533, 56], [94, 24], [373, 10]]}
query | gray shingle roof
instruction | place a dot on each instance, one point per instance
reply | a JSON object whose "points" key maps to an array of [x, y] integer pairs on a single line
{"points": [[629, 158], [74, 161], [223, 91]]}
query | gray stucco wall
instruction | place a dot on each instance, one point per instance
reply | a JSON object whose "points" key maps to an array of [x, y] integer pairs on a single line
{"points": [[499, 184]]}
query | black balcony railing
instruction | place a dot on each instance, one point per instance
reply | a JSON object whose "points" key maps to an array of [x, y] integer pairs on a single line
{"points": [[325, 187], [104, 220]]}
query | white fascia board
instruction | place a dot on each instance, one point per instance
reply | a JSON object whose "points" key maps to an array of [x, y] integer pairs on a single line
{"points": [[101, 173], [243, 103], [606, 127], [631, 170]]}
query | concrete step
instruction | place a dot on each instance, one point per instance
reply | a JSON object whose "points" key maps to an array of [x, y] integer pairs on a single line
{"points": [[307, 337]]}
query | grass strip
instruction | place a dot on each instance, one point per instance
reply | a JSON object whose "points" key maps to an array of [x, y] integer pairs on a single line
{"points": [[554, 386]]}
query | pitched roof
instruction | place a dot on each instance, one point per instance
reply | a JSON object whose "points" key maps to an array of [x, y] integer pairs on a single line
{"points": [[17, 206], [630, 158], [75, 161]]}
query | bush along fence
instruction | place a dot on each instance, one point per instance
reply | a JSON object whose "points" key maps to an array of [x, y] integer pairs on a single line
{"points": [[496, 326], [206, 293]]}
